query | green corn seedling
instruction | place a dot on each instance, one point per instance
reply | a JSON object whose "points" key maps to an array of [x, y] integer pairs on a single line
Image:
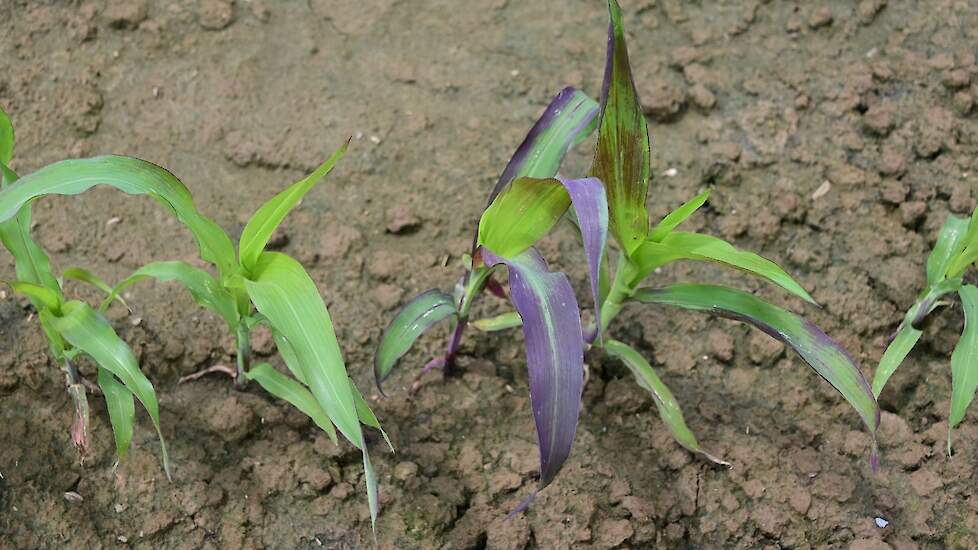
{"points": [[73, 328], [956, 249], [528, 200]]}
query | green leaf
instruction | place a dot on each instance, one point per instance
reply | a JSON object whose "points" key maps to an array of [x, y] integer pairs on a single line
{"points": [[31, 262], [622, 157], [285, 388], [966, 251], [894, 355], [665, 402], [6, 138], [367, 416], [418, 315], [132, 176], [84, 276], [676, 217], [205, 289], [503, 321], [948, 244], [88, 331], [524, 212], [680, 245], [122, 410], [829, 359], [285, 294], [40, 295], [261, 226], [964, 361]]}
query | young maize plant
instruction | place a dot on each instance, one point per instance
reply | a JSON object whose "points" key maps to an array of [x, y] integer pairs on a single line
{"points": [[527, 202], [252, 286], [73, 329], [956, 249]]}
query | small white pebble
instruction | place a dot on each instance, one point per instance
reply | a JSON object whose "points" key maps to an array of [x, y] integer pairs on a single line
{"points": [[375, 140], [822, 190], [359, 135], [122, 538], [112, 221], [881, 523], [514, 73], [156, 91], [72, 496], [670, 173], [119, 508], [136, 321]]}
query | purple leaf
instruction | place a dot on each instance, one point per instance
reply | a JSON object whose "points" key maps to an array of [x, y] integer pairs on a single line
{"points": [[591, 206], [554, 354]]}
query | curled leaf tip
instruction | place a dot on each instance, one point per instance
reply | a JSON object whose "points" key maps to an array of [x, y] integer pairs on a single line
{"points": [[523, 505]]}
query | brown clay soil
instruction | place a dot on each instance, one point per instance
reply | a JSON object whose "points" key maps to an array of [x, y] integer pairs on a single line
{"points": [[836, 136]]}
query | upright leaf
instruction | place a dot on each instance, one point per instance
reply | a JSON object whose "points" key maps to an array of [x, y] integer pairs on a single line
{"points": [[417, 316], [83, 275], [88, 331], [622, 157], [948, 243], [679, 245], [129, 175], [122, 410], [261, 226], [676, 217], [829, 359], [901, 346], [964, 361], [554, 353], [6, 138], [665, 402], [31, 263]]}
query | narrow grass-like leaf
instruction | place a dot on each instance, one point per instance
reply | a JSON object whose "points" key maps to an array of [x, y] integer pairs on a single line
{"points": [[6, 138], [569, 118], [31, 263], [966, 251], [676, 217], [665, 402], [296, 394], [122, 410], [904, 341], [948, 243], [421, 313], [622, 157], [829, 359], [88, 331], [41, 296], [679, 245], [554, 353], [503, 321], [85, 276], [204, 288], [284, 293], [129, 175], [264, 222], [964, 361], [367, 416]]}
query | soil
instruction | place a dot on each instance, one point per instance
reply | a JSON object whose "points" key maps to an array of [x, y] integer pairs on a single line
{"points": [[836, 137]]}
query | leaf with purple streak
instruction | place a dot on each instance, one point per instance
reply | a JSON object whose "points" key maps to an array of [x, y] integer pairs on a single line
{"points": [[622, 157], [829, 359], [554, 353], [421, 313], [964, 361]]}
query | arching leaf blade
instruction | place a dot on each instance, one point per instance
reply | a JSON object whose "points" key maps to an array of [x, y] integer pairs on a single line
{"points": [[417, 316], [964, 361], [292, 392], [678, 216], [948, 243], [122, 410], [901, 346]]}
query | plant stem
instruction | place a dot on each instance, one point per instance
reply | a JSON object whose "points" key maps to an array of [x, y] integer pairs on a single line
{"points": [[620, 291], [244, 356], [475, 281]]}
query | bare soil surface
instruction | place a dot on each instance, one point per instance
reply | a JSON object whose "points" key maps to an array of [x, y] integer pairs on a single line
{"points": [[836, 136]]}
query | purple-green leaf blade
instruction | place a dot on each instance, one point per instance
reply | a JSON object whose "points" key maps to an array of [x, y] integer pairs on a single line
{"points": [[417, 316]]}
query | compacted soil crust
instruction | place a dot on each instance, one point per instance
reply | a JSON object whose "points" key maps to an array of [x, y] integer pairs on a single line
{"points": [[836, 137]]}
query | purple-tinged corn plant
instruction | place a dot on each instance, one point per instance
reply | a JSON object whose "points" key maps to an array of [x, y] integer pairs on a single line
{"points": [[527, 202], [955, 250]]}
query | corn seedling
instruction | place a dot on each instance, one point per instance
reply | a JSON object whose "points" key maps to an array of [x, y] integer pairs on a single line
{"points": [[955, 250], [251, 286], [528, 200], [72, 327]]}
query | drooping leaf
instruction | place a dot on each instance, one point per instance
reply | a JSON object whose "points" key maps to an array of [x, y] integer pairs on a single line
{"points": [[665, 402], [829, 359], [676, 217], [6, 138], [205, 289], [88, 331], [569, 118], [367, 416], [964, 361], [554, 353], [287, 389], [503, 321], [264, 222], [85, 276], [129, 175], [622, 157], [421, 313], [373, 490], [948, 243], [679, 245], [904, 341], [284, 293], [31, 263], [42, 296], [122, 410]]}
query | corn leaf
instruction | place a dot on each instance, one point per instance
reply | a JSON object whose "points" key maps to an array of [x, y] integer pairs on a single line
{"points": [[554, 353], [129, 175], [6, 138], [503, 321], [676, 217], [622, 157], [417, 316], [31, 263], [205, 289], [296, 394], [264, 222], [966, 251], [367, 416], [665, 402], [88, 331], [122, 410], [679, 245], [964, 361], [829, 359], [42, 296], [901, 346], [85, 276], [948, 244]]}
